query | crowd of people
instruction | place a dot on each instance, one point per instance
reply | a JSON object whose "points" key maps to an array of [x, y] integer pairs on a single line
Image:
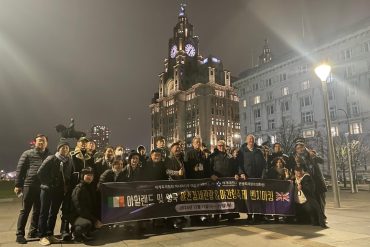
{"points": [[69, 181]]}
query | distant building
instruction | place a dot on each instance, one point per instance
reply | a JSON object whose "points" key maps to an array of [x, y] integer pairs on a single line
{"points": [[286, 90], [100, 134], [195, 95]]}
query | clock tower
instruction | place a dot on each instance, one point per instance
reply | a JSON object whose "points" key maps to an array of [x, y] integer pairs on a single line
{"points": [[188, 92]]}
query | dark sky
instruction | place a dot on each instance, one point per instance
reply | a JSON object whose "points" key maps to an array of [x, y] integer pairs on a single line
{"points": [[98, 61]]}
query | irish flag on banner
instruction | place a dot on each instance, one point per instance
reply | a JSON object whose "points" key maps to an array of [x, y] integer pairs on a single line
{"points": [[116, 202]]}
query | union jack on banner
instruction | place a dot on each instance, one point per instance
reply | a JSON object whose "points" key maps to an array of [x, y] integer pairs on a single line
{"points": [[282, 197]]}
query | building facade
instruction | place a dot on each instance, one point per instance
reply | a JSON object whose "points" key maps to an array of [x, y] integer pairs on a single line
{"points": [[286, 91], [100, 134], [195, 95]]}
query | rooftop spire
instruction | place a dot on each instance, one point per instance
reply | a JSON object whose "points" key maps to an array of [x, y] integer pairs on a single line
{"points": [[182, 9]]}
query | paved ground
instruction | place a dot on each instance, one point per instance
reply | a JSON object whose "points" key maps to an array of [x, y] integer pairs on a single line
{"points": [[349, 226]]}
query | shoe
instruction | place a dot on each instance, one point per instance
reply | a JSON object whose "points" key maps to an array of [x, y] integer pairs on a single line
{"points": [[21, 240], [33, 235], [87, 237], [54, 240], [66, 236], [78, 239], [45, 241]]}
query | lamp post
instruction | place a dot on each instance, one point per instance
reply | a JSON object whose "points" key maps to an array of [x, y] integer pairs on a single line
{"points": [[323, 71], [349, 151]]}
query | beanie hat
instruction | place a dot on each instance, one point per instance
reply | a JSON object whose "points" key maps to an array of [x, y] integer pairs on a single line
{"points": [[62, 142]]}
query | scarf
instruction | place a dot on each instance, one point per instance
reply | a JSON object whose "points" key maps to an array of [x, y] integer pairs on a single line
{"points": [[61, 158]]}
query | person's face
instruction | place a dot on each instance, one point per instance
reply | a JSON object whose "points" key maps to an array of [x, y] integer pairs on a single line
{"points": [[41, 143], [64, 150], [119, 151], [117, 167], [135, 160], [235, 153], [299, 149], [82, 145], [197, 144], [279, 164], [142, 151], [221, 147], [161, 144], [156, 157], [91, 146], [109, 153], [298, 174], [88, 178], [277, 148], [250, 140], [176, 150]]}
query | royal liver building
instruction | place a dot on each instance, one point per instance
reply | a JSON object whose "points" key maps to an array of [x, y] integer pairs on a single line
{"points": [[195, 95]]}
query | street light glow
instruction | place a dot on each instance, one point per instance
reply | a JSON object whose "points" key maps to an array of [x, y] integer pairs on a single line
{"points": [[323, 71]]}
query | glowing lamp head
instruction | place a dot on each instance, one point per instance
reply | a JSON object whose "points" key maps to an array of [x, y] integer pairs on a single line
{"points": [[323, 71]]}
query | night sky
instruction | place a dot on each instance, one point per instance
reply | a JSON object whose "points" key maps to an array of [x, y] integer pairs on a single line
{"points": [[98, 61]]}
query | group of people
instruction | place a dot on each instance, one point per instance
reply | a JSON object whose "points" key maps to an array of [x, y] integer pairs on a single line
{"points": [[69, 180]]}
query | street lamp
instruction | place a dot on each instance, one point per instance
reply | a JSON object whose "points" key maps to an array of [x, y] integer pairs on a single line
{"points": [[349, 149], [323, 71]]}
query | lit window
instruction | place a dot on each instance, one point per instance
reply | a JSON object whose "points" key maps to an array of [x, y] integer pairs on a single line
{"points": [[308, 133], [284, 91], [245, 103], [356, 128], [306, 101], [334, 131], [257, 100], [307, 117]]}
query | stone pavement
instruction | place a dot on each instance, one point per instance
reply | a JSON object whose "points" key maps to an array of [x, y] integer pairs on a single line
{"points": [[349, 226]]}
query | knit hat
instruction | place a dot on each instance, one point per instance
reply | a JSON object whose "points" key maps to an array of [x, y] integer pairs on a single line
{"points": [[83, 139], [62, 142], [87, 170]]}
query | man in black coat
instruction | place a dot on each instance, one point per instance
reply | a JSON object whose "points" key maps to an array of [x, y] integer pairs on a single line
{"points": [[196, 163], [115, 174], [155, 168], [54, 175], [175, 167], [28, 183], [84, 218], [251, 165], [134, 169]]}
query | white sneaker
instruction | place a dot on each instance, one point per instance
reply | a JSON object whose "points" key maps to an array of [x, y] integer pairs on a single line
{"points": [[44, 241], [53, 240]]}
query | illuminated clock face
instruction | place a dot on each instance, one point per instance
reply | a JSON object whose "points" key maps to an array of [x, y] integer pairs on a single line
{"points": [[190, 50], [173, 51]]}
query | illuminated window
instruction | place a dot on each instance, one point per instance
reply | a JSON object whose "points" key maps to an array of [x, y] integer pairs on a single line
{"points": [[257, 100], [284, 91], [356, 128], [307, 117], [334, 131], [245, 103], [308, 133], [306, 101]]}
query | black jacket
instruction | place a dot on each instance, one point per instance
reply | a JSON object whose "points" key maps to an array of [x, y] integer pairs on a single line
{"points": [[131, 174], [251, 163], [54, 174], [28, 165], [80, 160], [84, 202], [222, 165], [173, 165], [109, 176], [152, 171], [192, 160]]}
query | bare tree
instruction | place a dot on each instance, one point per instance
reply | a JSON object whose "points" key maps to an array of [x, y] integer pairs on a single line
{"points": [[341, 156], [287, 134]]}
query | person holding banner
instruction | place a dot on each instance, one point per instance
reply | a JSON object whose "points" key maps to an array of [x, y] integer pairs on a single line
{"points": [[251, 165], [222, 166], [84, 218], [175, 169], [155, 168], [133, 170]]}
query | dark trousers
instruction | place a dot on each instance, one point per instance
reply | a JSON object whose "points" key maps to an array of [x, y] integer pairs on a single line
{"points": [[309, 210], [81, 226], [321, 199], [50, 204], [31, 199]]}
